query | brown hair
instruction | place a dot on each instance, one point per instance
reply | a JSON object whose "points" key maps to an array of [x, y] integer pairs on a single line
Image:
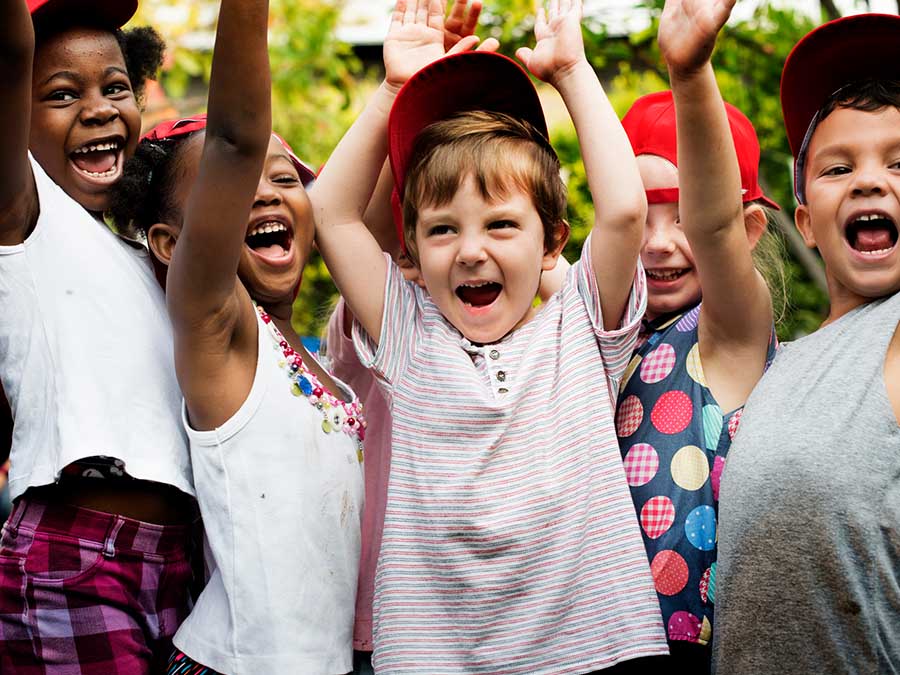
{"points": [[867, 95], [500, 152]]}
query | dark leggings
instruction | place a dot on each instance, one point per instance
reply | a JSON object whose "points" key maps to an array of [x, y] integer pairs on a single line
{"points": [[182, 664]]}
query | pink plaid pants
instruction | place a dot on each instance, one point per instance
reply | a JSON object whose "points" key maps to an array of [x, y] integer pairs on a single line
{"points": [[89, 593]]}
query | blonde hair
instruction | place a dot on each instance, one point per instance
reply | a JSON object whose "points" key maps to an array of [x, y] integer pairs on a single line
{"points": [[768, 258], [500, 152]]}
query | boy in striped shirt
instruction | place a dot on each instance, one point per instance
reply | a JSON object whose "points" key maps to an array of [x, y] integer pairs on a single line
{"points": [[510, 541]]}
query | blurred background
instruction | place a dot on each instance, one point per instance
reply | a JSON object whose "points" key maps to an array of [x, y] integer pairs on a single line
{"points": [[326, 60]]}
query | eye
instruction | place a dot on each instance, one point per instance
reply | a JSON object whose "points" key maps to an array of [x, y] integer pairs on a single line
{"points": [[894, 165], [839, 170], [116, 88], [438, 230], [61, 96], [286, 179], [502, 225]]}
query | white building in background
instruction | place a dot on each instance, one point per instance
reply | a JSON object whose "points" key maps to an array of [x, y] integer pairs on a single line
{"points": [[365, 21]]}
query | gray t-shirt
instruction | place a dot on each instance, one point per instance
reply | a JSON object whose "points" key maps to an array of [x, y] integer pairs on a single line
{"points": [[809, 517]]}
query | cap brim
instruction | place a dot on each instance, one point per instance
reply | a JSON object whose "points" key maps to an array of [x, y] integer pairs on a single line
{"points": [[111, 13], [853, 48], [455, 84]]}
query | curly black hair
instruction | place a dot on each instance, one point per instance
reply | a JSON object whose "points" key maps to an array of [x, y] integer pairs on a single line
{"points": [[143, 196], [142, 48]]}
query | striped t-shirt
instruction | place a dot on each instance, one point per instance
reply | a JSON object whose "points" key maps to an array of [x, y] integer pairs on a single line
{"points": [[510, 541]]}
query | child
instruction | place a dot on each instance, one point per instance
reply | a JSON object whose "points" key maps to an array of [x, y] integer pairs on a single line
{"points": [[810, 537], [275, 440], [510, 544], [698, 361], [95, 573]]}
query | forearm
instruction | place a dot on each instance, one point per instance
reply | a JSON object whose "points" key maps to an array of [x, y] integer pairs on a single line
{"points": [[379, 215], [240, 83], [709, 177], [16, 53], [612, 173]]}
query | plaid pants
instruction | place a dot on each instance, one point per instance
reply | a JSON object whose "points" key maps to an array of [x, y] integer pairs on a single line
{"points": [[89, 593]]}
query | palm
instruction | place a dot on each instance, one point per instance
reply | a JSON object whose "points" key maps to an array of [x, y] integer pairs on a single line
{"points": [[415, 39], [559, 42], [688, 30]]}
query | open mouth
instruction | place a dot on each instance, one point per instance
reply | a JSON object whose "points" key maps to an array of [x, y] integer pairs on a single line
{"points": [[479, 294], [270, 239], [667, 274], [871, 233], [99, 160]]}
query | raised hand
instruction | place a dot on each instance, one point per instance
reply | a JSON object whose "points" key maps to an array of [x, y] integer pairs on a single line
{"points": [[688, 30], [415, 39], [459, 27], [559, 45]]}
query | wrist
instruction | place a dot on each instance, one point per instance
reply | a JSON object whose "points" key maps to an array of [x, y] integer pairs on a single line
{"points": [[572, 73]]}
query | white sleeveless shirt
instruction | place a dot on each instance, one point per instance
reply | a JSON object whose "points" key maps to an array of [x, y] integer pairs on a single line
{"points": [[280, 488], [86, 351]]}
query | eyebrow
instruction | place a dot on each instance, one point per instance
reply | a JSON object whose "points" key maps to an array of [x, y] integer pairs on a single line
{"points": [[68, 74]]}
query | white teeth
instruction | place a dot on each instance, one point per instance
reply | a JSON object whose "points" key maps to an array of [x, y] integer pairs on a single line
{"points": [[477, 284], [878, 252], [96, 148], [102, 174], [267, 228]]}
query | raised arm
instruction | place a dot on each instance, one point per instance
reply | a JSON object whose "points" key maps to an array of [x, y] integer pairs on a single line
{"points": [[343, 190], [620, 207], [18, 197], [202, 280], [736, 318]]}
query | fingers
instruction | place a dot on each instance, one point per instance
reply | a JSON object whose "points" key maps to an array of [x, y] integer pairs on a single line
{"points": [[434, 14], [471, 20], [422, 11], [409, 10], [465, 44], [524, 54], [489, 45], [457, 14], [397, 15]]}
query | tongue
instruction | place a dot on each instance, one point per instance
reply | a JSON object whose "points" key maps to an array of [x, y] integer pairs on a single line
{"points": [[479, 295], [873, 239], [96, 162], [272, 251]]}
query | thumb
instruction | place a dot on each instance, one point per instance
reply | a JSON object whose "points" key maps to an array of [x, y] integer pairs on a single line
{"points": [[465, 44], [524, 54], [489, 45]]}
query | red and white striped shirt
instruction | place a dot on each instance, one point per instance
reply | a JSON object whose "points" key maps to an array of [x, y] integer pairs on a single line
{"points": [[510, 540]]}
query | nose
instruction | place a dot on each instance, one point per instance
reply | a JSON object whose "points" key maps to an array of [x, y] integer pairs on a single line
{"points": [[657, 238], [266, 193], [471, 249], [97, 109], [869, 180]]}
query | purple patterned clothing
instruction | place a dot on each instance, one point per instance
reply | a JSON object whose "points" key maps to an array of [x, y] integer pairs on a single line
{"points": [[89, 593], [674, 438]]}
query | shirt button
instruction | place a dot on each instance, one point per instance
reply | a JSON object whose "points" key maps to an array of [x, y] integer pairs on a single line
{"points": [[495, 354], [503, 390], [501, 376]]}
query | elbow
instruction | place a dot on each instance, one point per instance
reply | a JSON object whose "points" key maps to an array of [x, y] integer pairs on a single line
{"points": [[628, 217]]}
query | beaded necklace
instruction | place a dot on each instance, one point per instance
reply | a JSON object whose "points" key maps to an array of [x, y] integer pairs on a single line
{"points": [[337, 415]]}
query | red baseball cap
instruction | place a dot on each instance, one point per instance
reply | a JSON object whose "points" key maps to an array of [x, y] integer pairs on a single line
{"points": [[188, 125], [650, 126], [838, 53], [114, 13], [454, 84]]}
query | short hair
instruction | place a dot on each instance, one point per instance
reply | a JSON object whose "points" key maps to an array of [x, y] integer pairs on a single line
{"points": [[499, 151], [867, 95]]}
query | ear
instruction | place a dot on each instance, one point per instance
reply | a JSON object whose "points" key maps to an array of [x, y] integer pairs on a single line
{"points": [[755, 221], [802, 220], [560, 237], [161, 239]]}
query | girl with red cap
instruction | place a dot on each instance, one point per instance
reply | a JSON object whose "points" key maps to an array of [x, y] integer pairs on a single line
{"points": [[708, 330], [94, 569]]}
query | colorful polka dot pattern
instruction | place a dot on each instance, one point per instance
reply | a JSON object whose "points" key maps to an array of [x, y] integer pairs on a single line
{"points": [[674, 439]]}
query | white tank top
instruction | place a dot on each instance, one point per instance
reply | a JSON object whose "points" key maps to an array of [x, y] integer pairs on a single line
{"points": [[280, 488], [86, 351]]}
